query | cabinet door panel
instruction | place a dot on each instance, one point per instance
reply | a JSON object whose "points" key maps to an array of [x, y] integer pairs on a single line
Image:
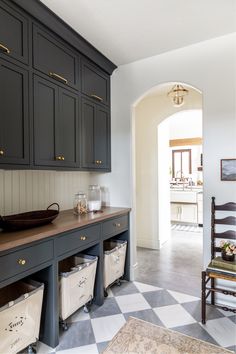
{"points": [[13, 33], [50, 56], [102, 137], [14, 136], [87, 130], [95, 83], [67, 128], [45, 113]]}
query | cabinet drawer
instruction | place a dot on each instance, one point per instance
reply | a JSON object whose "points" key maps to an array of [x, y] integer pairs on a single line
{"points": [[53, 58], [73, 240], [25, 259], [13, 33], [95, 83], [115, 226]]}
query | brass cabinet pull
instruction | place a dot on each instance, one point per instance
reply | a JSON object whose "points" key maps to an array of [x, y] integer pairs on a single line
{"points": [[98, 162], [60, 158], [96, 97], [117, 225], [4, 49], [1, 152], [58, 77], [83, 238], [21, 261]]}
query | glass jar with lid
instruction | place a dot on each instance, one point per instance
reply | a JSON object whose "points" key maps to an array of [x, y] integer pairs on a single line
{"points": [[80, 203], [94, 197]]}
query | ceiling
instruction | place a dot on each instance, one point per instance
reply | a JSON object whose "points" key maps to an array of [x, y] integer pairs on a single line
{"points": [[129, 30]]}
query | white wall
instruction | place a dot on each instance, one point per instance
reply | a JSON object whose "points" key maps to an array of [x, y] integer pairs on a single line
{"points": [[180, 123], [30, 190], [209, 66]]}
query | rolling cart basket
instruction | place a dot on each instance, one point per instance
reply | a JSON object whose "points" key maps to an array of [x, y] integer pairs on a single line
{"points": [[114, 260], [20, 313], [76, 283]]}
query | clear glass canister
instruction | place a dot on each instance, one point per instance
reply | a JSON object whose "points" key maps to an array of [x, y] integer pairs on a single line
{"points": [[94, 197], [80, 203]]}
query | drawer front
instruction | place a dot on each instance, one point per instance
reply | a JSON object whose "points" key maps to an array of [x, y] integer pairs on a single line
{"points": [[95, 83], [25, 259], [13, 33], [53, 59], [115, 226], [73, 240]]}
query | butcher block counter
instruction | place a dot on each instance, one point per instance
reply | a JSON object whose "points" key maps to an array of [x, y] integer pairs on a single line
{"points": [[36, 252]]}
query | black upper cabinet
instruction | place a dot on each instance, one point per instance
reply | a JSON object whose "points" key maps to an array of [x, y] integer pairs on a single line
{"points": [[54, 59], [14, 124], [95, 128], [13, 33], [55, 125], [95, 83]]}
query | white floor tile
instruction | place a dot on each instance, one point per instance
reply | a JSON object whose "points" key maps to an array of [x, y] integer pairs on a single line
{"points": [[79, 315], [133, 302], [105, 328], [145, 287], [43, 348], [174, 316], [182, 298], [85, 349], [227, 313], [223, 330]]}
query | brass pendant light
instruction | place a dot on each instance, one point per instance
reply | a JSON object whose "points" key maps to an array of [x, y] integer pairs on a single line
{"points": [[177, 94]]}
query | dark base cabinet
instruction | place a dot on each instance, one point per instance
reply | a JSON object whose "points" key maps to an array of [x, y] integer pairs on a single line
{"points": [[39, 260]]}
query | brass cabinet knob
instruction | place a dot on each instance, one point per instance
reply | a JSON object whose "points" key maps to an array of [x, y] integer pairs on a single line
{"points": [[21, 261], [62, 158], [83, 238], [117, 225], [98, 162], [1, 152], [58, 158]]}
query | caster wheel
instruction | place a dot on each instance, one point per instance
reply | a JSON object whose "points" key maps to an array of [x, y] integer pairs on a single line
{"points": [[86, 309], [31, 349], [118, 283], [64, 326], [105, 293]]}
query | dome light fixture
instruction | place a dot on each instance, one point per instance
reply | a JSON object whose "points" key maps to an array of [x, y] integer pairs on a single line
{"points": [[177, 94]]}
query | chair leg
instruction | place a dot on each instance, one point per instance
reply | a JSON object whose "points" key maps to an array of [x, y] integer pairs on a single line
{"points": [[203, 297], [212, 292]]}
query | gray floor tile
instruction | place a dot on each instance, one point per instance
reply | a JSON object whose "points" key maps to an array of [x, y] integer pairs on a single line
{"points": [[233, 318], [194, 308], [159, 298], [110, 307], [146, 315], [233, 348], [102, 346], [78, 334], [126, 288], [196, 331]]}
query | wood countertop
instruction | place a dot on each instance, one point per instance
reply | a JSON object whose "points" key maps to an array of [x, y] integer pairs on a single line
{"points": [[65, 221]]}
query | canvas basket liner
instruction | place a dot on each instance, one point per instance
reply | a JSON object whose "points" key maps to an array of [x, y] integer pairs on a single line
{"points": [[20, 313], [76, 283], [114, 260]]}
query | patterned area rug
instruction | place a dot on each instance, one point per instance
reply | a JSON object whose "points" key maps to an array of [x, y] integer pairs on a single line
{"points": [[141, 337], [188, 228]]}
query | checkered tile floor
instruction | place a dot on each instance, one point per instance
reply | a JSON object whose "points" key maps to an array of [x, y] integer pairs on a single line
{"points": [[90, 333]]}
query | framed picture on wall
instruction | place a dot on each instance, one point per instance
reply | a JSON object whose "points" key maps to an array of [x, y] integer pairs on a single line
{"points": [[228, 169]]}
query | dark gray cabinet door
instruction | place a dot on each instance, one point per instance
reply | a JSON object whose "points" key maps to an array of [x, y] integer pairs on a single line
{"points": [[95, 136], [14, 124], [67, 128], [45, 113], [87, 133], [55, 125], [54, 59], [13, 33], [95, 83], [102, 138]]}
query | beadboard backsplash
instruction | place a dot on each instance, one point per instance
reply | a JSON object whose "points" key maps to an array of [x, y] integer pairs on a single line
{"points": [[31, 190]]}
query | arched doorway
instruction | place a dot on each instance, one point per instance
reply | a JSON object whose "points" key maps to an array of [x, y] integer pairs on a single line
{"points": [[151, 192]]}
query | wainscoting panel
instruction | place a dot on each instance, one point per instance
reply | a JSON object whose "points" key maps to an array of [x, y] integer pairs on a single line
{"points": [[31, 190]]}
